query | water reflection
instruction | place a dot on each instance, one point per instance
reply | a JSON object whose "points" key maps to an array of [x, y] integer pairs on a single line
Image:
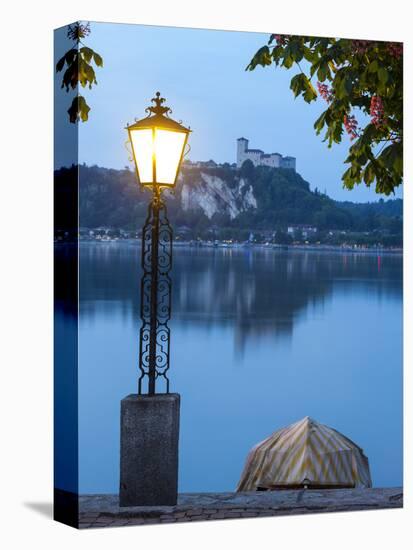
{"points": [[260, 293]]}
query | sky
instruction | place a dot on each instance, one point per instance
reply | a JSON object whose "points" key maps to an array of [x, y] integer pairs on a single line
{"points": [[201, 73]]}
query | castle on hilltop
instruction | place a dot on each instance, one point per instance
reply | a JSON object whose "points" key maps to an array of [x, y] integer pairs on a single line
{"points": [[259, 158]]}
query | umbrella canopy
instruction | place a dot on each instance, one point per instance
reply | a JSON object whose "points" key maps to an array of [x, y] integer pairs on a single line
{"points": [[305, 454]]}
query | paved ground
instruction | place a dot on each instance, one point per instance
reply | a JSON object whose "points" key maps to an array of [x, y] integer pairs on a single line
{"points": [[104, 510]]}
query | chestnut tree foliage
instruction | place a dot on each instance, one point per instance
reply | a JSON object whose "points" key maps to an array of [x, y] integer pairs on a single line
{"points": [[77, 63], [352, 77]]}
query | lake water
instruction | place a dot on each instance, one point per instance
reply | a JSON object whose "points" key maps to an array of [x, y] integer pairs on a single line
{"points": [[260, 339]]}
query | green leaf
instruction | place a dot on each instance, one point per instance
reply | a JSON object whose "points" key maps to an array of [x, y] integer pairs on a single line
{"points": [[60, 64], [83, 109], [86, 74], [70, 77], [369, 174], [71, 56], [73, 111], [348, 85], [323, 72], [87, 53], [300, 84], [288, 62], [310, 93], [90, 73], [309, 55], [262, 57], [398, 164], [97, 59], [347, 179], [297, 84], [313, 69], [373, 66], [319, 123], [79, 109], [383, 75]]}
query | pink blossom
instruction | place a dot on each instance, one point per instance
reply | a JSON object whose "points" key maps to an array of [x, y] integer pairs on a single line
{"points": [[325, 92], [395, 49], [280, 39], [351, 126], [377, 111]]}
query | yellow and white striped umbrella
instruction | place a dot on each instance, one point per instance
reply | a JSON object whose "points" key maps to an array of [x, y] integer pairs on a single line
{"points": [[305, 454]]}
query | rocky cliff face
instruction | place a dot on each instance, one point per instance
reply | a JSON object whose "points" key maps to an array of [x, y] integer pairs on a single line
{"points": [[262, 197], [213, 195]]}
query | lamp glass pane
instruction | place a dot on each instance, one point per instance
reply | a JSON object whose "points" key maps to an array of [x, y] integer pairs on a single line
{"points": [[168, 151], [142, 142]]}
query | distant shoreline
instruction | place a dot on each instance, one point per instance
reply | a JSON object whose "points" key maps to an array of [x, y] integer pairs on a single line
{"points": [[253, 246]]}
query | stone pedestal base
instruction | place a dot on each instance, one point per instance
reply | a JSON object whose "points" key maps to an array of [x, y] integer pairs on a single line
{"points": [[149, 450]]}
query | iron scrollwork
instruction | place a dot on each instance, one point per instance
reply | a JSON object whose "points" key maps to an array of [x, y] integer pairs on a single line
{"points": [[154, 345]]}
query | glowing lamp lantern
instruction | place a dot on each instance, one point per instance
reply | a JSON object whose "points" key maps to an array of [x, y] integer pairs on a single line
{"points": [[158, 144]]}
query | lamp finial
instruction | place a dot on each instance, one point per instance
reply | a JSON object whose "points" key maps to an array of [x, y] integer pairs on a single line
{"points": [[158, 109]]}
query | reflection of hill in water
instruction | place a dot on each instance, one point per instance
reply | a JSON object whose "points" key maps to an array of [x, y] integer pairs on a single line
{"points": [[257, 291]]}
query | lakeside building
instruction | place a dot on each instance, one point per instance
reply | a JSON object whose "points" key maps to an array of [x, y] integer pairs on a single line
{"points": [[304, 230], [187, 164], [259, 158]]}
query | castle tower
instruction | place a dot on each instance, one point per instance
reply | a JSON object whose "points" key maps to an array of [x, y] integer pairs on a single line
{"points": [[242, 146]]}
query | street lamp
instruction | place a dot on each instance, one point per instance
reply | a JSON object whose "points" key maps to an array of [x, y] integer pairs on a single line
{"points": [[158, 144], [149, 434]]}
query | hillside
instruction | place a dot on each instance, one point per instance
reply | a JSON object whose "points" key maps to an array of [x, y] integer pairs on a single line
{"points": [[259, 198]]}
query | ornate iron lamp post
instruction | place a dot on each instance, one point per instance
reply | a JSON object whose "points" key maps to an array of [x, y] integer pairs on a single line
{"points": [[158, 145], [150, 420]]}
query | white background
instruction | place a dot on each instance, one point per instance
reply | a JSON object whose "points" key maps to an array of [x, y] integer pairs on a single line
{"points": [[26, 270]]}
